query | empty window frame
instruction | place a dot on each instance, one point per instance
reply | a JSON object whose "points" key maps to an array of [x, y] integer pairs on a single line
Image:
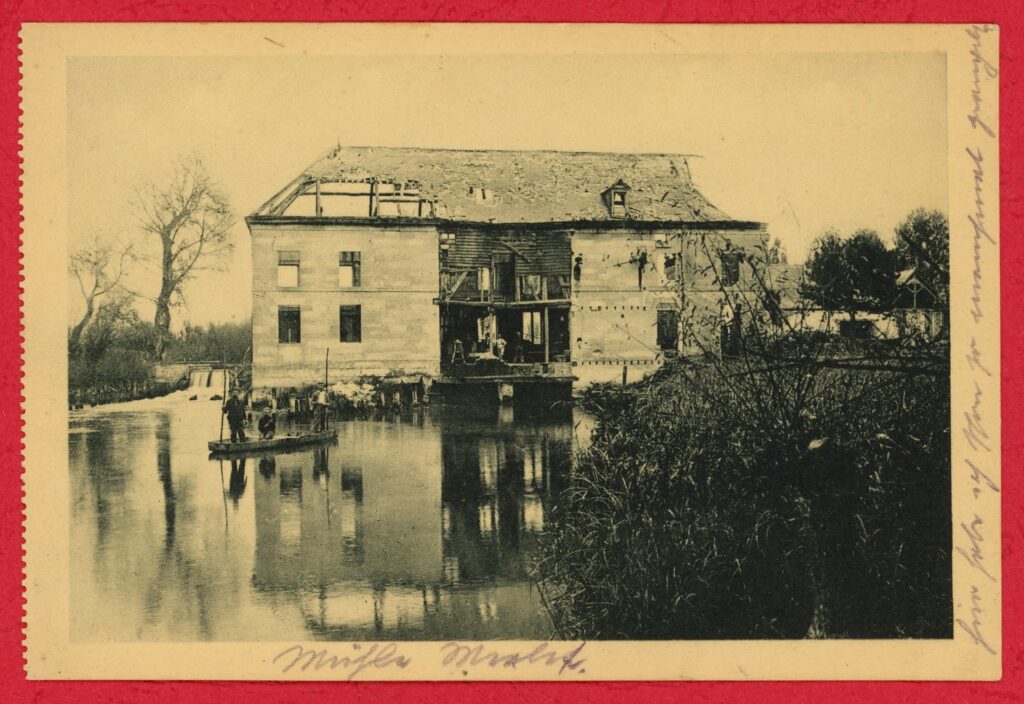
{"points": [[617, 203], [668, 329], [349, 269], [289, 325], [533, 330], [670, 267], [287, 269], [351, 323], [530, 287], [730, 269]]}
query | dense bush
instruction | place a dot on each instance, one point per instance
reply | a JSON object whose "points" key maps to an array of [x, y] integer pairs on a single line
{"points": [[113, 358], [758, 501], [230, 343]]}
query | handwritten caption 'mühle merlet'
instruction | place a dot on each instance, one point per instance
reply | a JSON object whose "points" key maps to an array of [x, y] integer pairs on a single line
{"points": [[463, 656]]}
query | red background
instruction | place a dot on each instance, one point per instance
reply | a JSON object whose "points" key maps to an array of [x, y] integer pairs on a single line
{"points": [[1010, 17]]}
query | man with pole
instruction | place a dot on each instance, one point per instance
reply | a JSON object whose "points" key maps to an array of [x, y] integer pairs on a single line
{"points": [[320, 410], [234, 409], [321, 400]]}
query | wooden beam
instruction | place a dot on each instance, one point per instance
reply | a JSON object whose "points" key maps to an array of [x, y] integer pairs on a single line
{"points": [[547, 342], [559, 303], [458, 282], [516, 250], [285, 202], [269, 207]]}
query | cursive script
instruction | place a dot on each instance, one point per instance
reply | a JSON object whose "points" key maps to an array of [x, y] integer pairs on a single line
{"points": [[976, 555], [361, 657], [973, 627], [981, 480], [981, 235], [465, 656], [973, 535], [974, 431], [981, 67], [974, 359]]}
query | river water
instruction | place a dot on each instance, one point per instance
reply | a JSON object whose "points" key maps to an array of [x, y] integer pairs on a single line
{"points": [[415, 528]]}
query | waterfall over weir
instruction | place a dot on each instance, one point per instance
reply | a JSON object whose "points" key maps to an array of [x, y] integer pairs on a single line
{"points": [[206, 382]]}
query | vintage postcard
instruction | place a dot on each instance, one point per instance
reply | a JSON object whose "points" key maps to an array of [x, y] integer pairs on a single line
{"points": [[501, 352]]}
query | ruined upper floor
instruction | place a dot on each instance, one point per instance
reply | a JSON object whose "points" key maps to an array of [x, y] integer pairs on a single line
{"points": [[493, 186]]}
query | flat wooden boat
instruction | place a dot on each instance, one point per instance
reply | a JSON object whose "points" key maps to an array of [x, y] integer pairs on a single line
{"points": [[279, 443]]}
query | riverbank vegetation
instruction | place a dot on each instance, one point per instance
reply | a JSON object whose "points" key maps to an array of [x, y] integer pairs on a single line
{"points": [[798, 486], [729, 502], [113, 358]]}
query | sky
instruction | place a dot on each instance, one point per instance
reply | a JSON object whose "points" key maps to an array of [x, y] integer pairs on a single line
{"points": [[802, 142]]}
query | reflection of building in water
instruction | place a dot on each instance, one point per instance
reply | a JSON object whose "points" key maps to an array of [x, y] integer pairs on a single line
{"points": [[342, 524], [410, 532], [303, 536], [494, 485]]}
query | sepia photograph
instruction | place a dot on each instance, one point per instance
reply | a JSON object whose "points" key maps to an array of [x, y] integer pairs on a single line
{"points": [[469, 348], [542, 384]]}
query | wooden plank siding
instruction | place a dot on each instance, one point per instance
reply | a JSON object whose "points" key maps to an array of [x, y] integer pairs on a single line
{"points": [[547, 254]]}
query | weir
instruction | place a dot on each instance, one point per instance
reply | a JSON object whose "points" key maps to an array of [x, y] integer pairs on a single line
{"points": [[206, 382]]}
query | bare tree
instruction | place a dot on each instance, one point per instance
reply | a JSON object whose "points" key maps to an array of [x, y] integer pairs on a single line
{"points": [[99, 267], [191, 220]]}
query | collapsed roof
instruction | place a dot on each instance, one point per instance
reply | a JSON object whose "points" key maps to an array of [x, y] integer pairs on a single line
{"points": [[493, 186]]}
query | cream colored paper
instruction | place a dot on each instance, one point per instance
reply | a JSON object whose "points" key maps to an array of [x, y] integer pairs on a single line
{"points": [[971, 55]]}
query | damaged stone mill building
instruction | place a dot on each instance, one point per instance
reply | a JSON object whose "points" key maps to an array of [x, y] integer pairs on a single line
{"points": [[520, 270]]}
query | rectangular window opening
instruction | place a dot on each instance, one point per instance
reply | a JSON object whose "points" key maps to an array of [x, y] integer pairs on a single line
{"points": [[349, 269], [289, 324], [530, 287], [288, 269], [730, 268], [671, 267], [668, 329], [351, 323]]}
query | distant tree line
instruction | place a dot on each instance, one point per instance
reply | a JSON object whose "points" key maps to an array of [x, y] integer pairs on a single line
{"points": [[859, 273]]}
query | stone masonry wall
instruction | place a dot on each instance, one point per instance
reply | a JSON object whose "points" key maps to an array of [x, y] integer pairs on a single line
{"points": [[399, 280], [614, 318]]}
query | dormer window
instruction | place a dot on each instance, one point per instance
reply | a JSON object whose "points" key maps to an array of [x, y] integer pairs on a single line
{"points": [[616, 199]]}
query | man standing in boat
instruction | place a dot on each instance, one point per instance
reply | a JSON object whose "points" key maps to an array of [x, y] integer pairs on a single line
{"points": [[321, 410], [235, 410]]}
